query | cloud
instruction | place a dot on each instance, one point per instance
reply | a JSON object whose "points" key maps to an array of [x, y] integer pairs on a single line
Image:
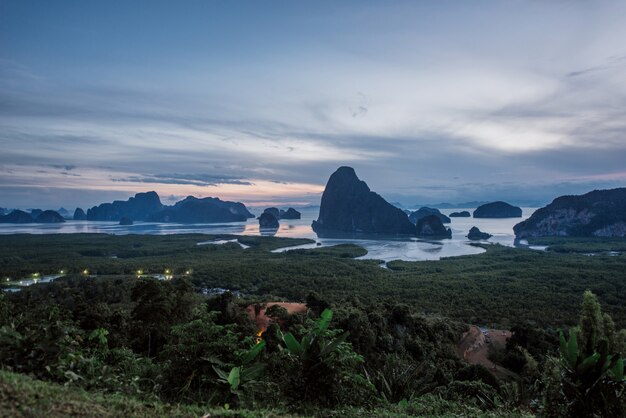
{"points": [[611, 62], [188, 179], [67, 167], [420, 98]]}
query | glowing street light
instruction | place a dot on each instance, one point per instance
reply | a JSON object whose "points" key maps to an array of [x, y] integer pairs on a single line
{"points": [[139, 273], [86, 272]]}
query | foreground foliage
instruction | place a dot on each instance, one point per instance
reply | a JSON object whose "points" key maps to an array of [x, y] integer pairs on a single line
{"points": [[348, 354]]}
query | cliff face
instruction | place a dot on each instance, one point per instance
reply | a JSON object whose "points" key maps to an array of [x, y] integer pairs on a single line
{"points": [[348, 205], [140, 208], [497, 210], [601, 213], [206, 210], [148, 207]]}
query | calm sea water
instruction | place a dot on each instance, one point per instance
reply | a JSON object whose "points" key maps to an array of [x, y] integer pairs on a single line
{"points": [[383, 249]]}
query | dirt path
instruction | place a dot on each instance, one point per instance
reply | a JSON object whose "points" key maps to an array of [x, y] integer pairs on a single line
{"points": [[263, 321], [475, 343]]}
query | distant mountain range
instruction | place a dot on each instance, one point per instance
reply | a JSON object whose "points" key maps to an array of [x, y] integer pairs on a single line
{"points": [[465, 205], [148, 207], [36, 216]]}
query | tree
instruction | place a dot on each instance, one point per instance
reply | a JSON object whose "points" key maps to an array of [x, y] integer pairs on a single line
{"points": [[588, 379], [323, 367]]}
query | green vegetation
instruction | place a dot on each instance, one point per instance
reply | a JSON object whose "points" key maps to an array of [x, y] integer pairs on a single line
{"points": [[22, 397], [584, 245], [373, 342], [501, 287]]}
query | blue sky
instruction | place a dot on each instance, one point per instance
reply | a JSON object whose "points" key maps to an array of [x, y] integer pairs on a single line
{"points": [[261, 101]]}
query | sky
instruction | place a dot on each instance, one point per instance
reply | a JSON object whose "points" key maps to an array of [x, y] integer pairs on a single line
{"points": [[260, 101]]}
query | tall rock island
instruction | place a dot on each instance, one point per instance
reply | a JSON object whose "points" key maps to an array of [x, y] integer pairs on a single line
{"points": [[348, 205]]}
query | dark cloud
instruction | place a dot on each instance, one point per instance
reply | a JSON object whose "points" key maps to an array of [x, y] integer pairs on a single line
{"points": [[611, 62], [67, 167], [186, 179]]}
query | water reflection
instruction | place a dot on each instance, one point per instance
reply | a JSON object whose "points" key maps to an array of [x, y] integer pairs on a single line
{"points": [[268, 232], [379, 247]]}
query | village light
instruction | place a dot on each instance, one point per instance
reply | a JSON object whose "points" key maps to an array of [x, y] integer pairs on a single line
{"points": [[188, 272], [85, 272], [61, 271], [167, 271], [139, 272]]}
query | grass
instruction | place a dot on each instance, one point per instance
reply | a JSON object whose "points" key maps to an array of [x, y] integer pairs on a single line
{"points": [[24, 397]]}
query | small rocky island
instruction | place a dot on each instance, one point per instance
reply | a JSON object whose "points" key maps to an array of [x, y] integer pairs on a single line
{"points": [[498, 210], [600, 213], [426, 211], [462, 214], [49, 217], [290, 213], [275, 212], [431, 226], [79, 215], [348, 205], [477, 234], [267, 220]]}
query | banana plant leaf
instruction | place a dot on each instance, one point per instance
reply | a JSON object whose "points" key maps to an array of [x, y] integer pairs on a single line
{"points": [[588, 363], [221, 374], [569, 349], [333, 345], [253, 352], [325, 319], [292, 344], [252, 372], [234, 378]]}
